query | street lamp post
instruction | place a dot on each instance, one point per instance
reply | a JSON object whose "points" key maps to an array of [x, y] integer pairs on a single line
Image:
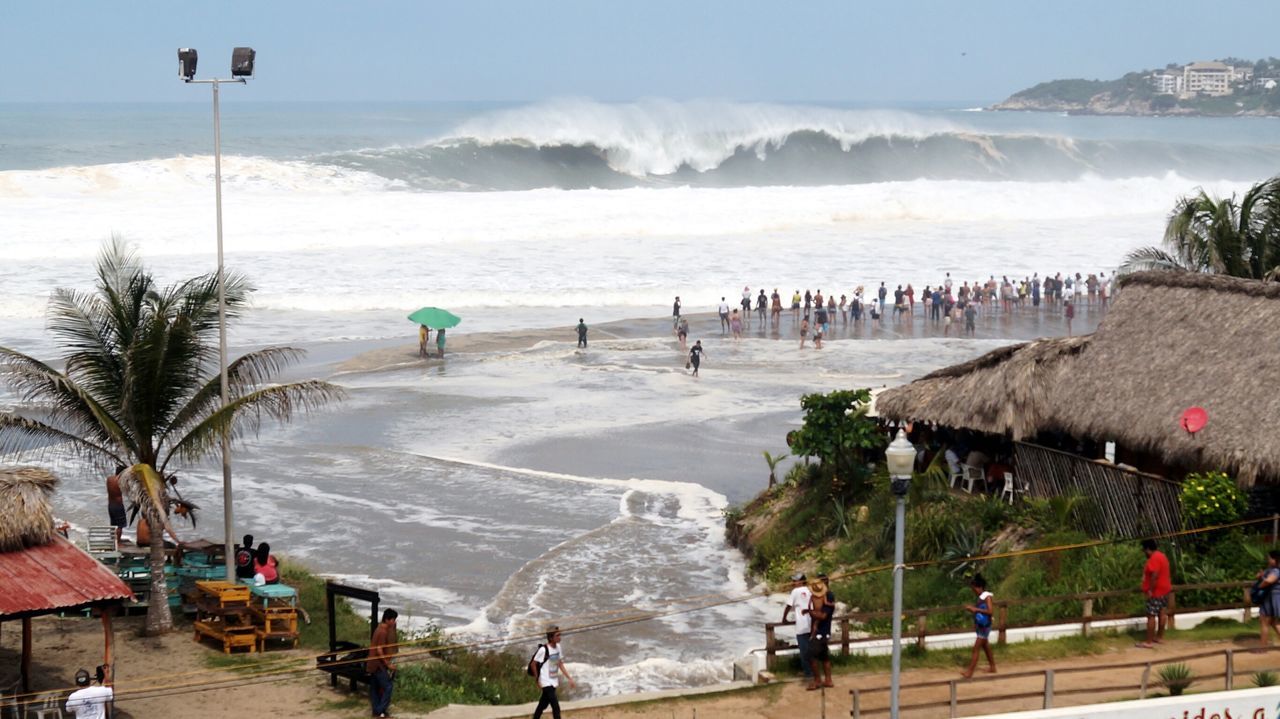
{"points": [[900, 457], [242, 59]]}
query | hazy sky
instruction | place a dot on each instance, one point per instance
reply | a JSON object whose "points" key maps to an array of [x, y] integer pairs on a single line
{"points": [[890, 51]]}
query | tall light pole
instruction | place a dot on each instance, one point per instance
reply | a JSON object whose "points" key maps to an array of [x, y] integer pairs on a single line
{"points": [[901, 458], [241, 70]]}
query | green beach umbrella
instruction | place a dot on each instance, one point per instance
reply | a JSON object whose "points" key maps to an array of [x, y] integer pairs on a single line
{"points": [[435, 318]]}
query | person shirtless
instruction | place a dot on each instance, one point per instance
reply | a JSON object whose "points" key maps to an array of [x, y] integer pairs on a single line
{"points": [[115, 503]]}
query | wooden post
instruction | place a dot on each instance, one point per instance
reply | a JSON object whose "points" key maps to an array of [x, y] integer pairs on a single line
{"points": [[855, 711], [1248, 606], [1048, 689], [1088, 617], [106, 645], [1172, 611], [770, 647], [844, 636], [1003, 627], [26, 655], [1275, 528], [1231, 669], [1146, 677], [953, 699], [921, 629]]}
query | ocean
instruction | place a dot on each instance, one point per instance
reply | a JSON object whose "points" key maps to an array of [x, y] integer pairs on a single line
{"points": [[510, 488]]}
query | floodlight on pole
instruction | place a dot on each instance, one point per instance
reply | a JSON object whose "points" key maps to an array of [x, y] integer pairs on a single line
{"points": [[242, 59]]}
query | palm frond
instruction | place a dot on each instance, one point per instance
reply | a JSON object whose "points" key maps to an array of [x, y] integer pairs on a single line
{"points": [[244, 414], [66, 404], [1151, 258], [21, 435]]}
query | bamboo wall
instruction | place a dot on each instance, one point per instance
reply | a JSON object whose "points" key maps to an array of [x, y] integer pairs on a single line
{"points": [[1122, 503]]}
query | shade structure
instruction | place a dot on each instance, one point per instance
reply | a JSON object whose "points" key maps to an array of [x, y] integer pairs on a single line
{"points": [[435, 318]]}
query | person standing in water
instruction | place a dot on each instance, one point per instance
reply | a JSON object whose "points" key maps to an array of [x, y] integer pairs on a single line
{"points": [[724, 316], [683, 333], [804, 330], [424, 339], [440, 341], [695, 356], [582, 333], [675, 313]]}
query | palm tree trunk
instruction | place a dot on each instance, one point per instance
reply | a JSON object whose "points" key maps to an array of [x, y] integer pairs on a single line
{"points": [[159, 618]]}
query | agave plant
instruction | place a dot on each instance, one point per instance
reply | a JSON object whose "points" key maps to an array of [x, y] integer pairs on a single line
{"points": [[1265, 679], [1176, 678], [140, 387]]}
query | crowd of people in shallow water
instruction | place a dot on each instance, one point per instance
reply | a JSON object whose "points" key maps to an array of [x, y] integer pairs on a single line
{"points": [[954, 305]]}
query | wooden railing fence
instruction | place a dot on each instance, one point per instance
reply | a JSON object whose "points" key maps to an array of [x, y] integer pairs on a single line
{"points": [[1050, 692], [1123, 503], [916, 629]]}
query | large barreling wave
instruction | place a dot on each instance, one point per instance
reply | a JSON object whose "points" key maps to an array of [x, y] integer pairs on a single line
{"points": [[584, 144]]}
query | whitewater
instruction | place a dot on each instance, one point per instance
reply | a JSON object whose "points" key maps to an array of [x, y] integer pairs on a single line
{"points": [[541, 483]]}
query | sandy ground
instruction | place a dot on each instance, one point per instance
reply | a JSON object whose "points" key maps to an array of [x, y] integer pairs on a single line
{"points": [[63, 645]]}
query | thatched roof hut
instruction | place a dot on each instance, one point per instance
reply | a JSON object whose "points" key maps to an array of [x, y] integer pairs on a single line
{"points": [[27, 519], [1170, 341], [1174, 341], [1000, 392]]}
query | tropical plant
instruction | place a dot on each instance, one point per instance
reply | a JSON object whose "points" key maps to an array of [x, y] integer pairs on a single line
{"points": [[1176, 678], [1219, 236], [140, 387], [838, 432], [1265, 679], [1211, 498], [773, 460]]}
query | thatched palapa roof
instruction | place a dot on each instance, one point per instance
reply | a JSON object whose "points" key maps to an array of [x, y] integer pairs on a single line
{"points": [[26, 519], [1170, 341], [1179, 340], [998, 393]]}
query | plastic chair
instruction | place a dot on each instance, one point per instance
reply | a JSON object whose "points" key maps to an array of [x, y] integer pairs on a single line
{"points": [[1010, 488], [973, 475], [957, 477]]}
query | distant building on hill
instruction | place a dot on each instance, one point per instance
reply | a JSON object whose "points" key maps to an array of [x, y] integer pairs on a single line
{"points": [[1207, 78], [1167, 82]]}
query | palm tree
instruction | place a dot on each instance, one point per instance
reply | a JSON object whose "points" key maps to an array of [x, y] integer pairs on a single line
{"points": [[1219, 236], [773, 460], [140, 387]]}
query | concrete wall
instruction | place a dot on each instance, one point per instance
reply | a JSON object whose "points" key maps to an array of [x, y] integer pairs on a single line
{"points": [[1243, 704]]}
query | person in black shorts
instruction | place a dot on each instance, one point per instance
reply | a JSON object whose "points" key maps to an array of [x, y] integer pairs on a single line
{"points": [[695, 356], [821, 607]]}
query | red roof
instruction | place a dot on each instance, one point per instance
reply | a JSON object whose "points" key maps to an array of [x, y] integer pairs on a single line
{"points": [[54, 576]]}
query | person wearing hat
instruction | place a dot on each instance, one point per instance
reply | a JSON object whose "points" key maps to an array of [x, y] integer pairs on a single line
{"points": [[821, 608], [799, 603], [90, 700], [549, 660]]}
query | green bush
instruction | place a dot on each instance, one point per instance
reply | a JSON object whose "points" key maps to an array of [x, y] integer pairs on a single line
{"points": [[1210, 499], [1265, 679], [467, 678], [1176, 678]]}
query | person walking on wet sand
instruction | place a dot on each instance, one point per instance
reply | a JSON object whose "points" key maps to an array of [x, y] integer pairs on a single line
{"points": [[381, 663], [695, 357], [548, 664], [682, 332], [724, 316], [424, 340], [582, 333], [981, 611], [804, 330]]}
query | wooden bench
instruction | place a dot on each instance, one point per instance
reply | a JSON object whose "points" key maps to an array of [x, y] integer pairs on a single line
{"points": [[346, 661]]}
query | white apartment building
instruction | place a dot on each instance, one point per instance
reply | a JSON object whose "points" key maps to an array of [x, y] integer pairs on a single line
{"points": [[1209, 78], [1167, 82]]}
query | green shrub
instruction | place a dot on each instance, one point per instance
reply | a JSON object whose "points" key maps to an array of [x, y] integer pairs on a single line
{"points": [[467, 678], [1176, 678], [1210, 499], [1265, 679]]}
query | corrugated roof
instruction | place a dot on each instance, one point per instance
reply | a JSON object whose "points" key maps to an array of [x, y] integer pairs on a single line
{"points": [[54, 576]]}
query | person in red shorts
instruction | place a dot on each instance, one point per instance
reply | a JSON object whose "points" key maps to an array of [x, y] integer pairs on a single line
{"points": [[1156, 585]]}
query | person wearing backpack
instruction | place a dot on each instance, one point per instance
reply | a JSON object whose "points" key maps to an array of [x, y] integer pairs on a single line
{"points": [[1264, 595], [546, 665], [981, 611]]}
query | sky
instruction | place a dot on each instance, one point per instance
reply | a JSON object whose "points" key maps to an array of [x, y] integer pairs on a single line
{"points": [[895, 51]]}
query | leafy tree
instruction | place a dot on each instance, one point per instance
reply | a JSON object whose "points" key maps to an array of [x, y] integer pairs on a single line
{"points": [[838, 432], [140, 387], [1220, 236]]}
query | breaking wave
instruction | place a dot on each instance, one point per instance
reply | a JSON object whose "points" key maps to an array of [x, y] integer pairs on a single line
{"points": [[583, 144]]}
